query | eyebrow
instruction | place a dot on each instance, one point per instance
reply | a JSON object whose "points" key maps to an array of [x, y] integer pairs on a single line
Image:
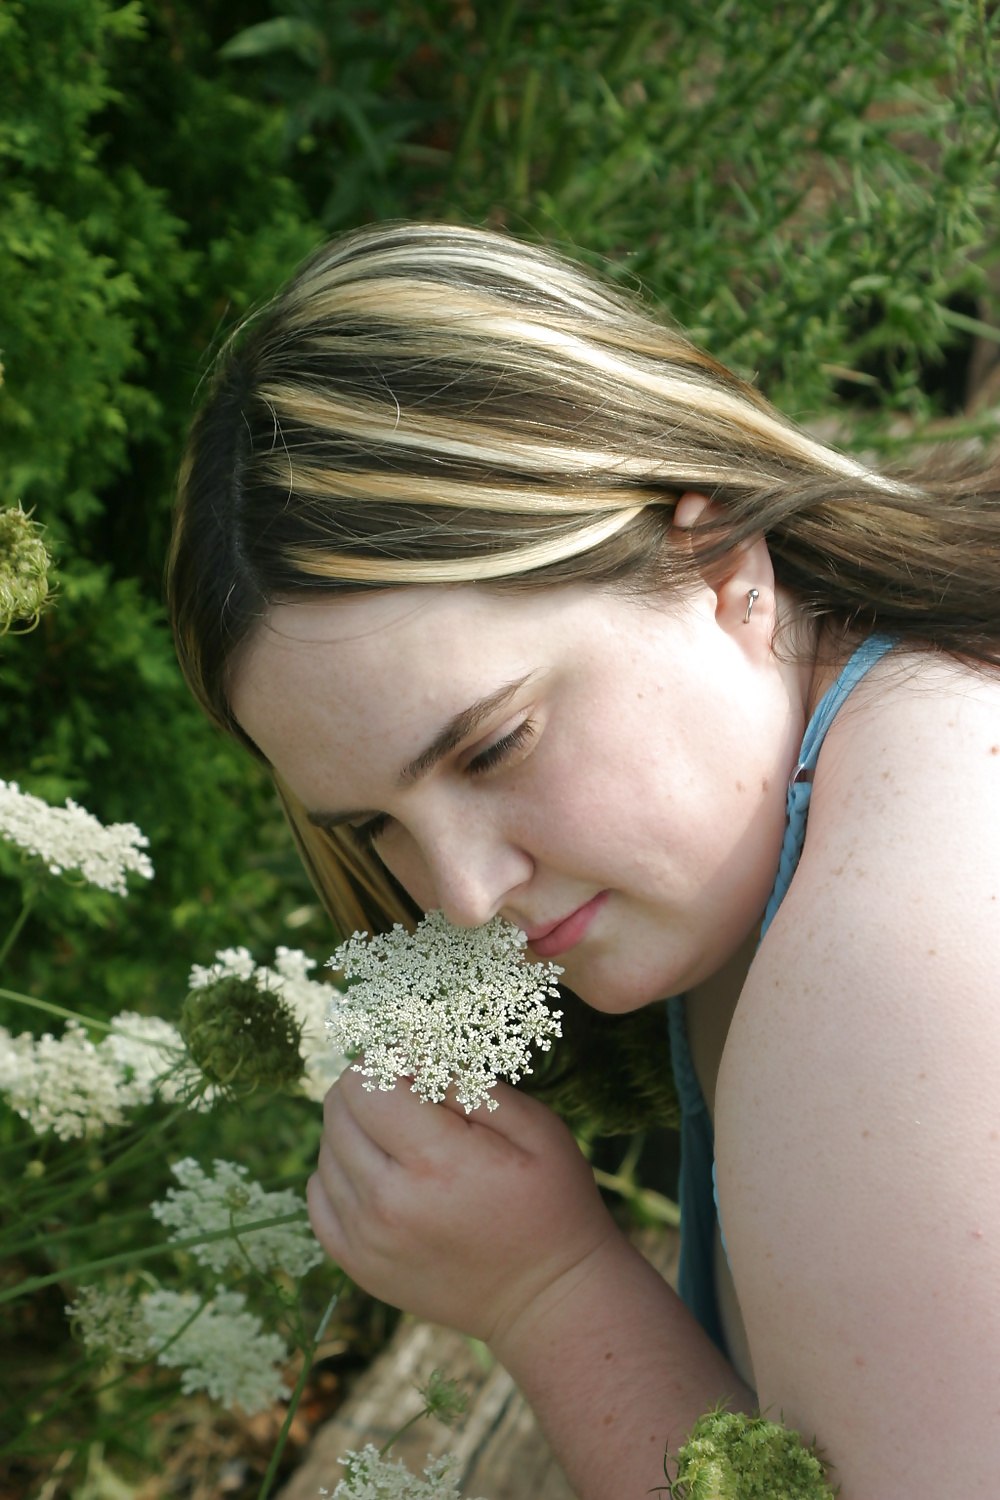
{"points": [[445, 741]]}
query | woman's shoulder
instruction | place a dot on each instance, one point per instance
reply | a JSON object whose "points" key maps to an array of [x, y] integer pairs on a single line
{"points": [[857, 1129]]}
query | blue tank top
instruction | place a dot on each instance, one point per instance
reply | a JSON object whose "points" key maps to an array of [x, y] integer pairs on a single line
{"points": [[696, 1187]]}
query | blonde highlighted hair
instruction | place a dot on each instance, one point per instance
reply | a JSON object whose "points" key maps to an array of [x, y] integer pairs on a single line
{"points": [[428, 404]]}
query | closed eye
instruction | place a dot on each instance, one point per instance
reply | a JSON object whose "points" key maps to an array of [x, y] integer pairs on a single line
{"points": [[487, 760], [502, 749]]}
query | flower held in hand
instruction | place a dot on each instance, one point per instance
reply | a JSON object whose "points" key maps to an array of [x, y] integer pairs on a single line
{"points": [[443, 1004]]}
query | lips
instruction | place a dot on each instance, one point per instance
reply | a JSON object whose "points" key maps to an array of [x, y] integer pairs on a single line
{"points": [[557, 937]]}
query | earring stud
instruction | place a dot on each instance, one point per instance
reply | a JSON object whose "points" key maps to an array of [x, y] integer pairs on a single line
{"points": [[752, 597]]}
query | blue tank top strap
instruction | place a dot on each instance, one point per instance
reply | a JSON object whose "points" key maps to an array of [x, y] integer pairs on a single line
{"points": [[697, 1191], [800, 784], [695, 1276]]}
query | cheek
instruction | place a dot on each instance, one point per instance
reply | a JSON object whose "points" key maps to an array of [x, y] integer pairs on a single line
{"points": [[402, 858]]}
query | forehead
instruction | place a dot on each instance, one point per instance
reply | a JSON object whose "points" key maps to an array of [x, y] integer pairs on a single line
{"points": [[352, 668]]}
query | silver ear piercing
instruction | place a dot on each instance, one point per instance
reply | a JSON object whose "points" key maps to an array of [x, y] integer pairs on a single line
{"points": [[752, 597]]}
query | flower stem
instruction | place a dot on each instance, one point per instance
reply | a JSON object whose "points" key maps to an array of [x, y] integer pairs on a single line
{"points": [[300, 1385], [129, 1257], [46, 1005], [22, 916]]}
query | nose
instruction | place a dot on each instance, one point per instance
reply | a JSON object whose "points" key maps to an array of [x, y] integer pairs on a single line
{"points": [[473, 871]]}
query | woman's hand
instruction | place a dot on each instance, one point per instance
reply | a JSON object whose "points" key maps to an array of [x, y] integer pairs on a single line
{"points": [[463, 1220]]}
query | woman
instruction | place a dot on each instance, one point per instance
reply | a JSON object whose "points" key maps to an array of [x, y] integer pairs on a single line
{"points": [[533, 608]]}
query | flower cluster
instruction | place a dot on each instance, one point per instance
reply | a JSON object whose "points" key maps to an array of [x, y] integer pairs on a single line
{"points": [[70, 838], [308, 1001], [371, 1477], [24, 566], [730, 1453], [443, 1004], [222, 1350], [204, 1204], [219, 1346], [73, 1087]]}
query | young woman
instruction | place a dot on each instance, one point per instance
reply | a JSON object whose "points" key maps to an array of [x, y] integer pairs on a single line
{"points": [[534, 608]]}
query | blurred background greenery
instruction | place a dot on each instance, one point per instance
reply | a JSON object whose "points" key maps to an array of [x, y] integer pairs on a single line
{"points": [[810, 189]]}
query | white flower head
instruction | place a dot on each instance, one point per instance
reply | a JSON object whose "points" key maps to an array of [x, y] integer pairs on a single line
{"points": [[443, 1004], [371, 1477], [70, 838], [110, 1319], [74, 1087], [204, 1204], [308, 1000], [219, 1346], [222, 1350]]}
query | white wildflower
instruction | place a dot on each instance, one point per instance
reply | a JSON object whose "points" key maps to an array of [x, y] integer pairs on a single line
{"points": [[204, 1204], [70, 838], [66, 1084], [222, 1350], [371, 1477], [309, 1002], [443, 1003], [110, 1320], [74, 1087], [151, 1057], [219, 1345]]}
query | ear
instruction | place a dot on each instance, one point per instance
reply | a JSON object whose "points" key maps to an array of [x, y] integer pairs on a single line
{"points": [[733, 579]]}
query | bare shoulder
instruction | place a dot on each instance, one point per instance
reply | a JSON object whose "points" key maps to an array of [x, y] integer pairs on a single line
{"points": [[858, 1106]]}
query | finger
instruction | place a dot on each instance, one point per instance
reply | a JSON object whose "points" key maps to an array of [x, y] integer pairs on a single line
{"points": [[521, 1120], [326, 1222], [357, 1154], [336, 1184], [399, 1123]]}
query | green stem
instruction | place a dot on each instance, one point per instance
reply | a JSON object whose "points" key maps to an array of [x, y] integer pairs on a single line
{"points": [[67, 1015], [969, 325], [131, 1257], [424, 1411], [87, 1183], [654, 1204], [47, 1237], [293, 1405], [22, 916]]}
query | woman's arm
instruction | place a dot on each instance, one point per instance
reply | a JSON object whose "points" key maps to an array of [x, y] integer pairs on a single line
{"points": [[858, 1105], [616, 1369], [492, 1224]]}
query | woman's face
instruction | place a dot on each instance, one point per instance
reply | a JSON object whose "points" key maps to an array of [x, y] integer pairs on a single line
{"points": [[566, 756]]}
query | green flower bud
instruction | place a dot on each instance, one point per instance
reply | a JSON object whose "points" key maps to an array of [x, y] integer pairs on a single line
{"points": [[242, 1038], [24, 565], [444, 1399], [730, 1456]]}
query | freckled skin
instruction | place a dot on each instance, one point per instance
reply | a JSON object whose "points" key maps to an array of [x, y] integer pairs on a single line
{"points": [[618, 791]]}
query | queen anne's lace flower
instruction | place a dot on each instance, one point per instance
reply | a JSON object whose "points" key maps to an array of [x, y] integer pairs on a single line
{"points": [[371, 1477], [203, 1204], [223, 1351], [443, 1003], [219, 1346], [24, 566], [308, 1000], [110, 1319], [70, 838], [75, 1087]]}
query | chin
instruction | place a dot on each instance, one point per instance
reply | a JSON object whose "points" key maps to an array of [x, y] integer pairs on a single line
{"points": [[617, 994]]}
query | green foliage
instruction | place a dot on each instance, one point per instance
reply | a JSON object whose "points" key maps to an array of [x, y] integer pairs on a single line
{"points": [[139, 203], [730, 1456], [809, 193]]}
